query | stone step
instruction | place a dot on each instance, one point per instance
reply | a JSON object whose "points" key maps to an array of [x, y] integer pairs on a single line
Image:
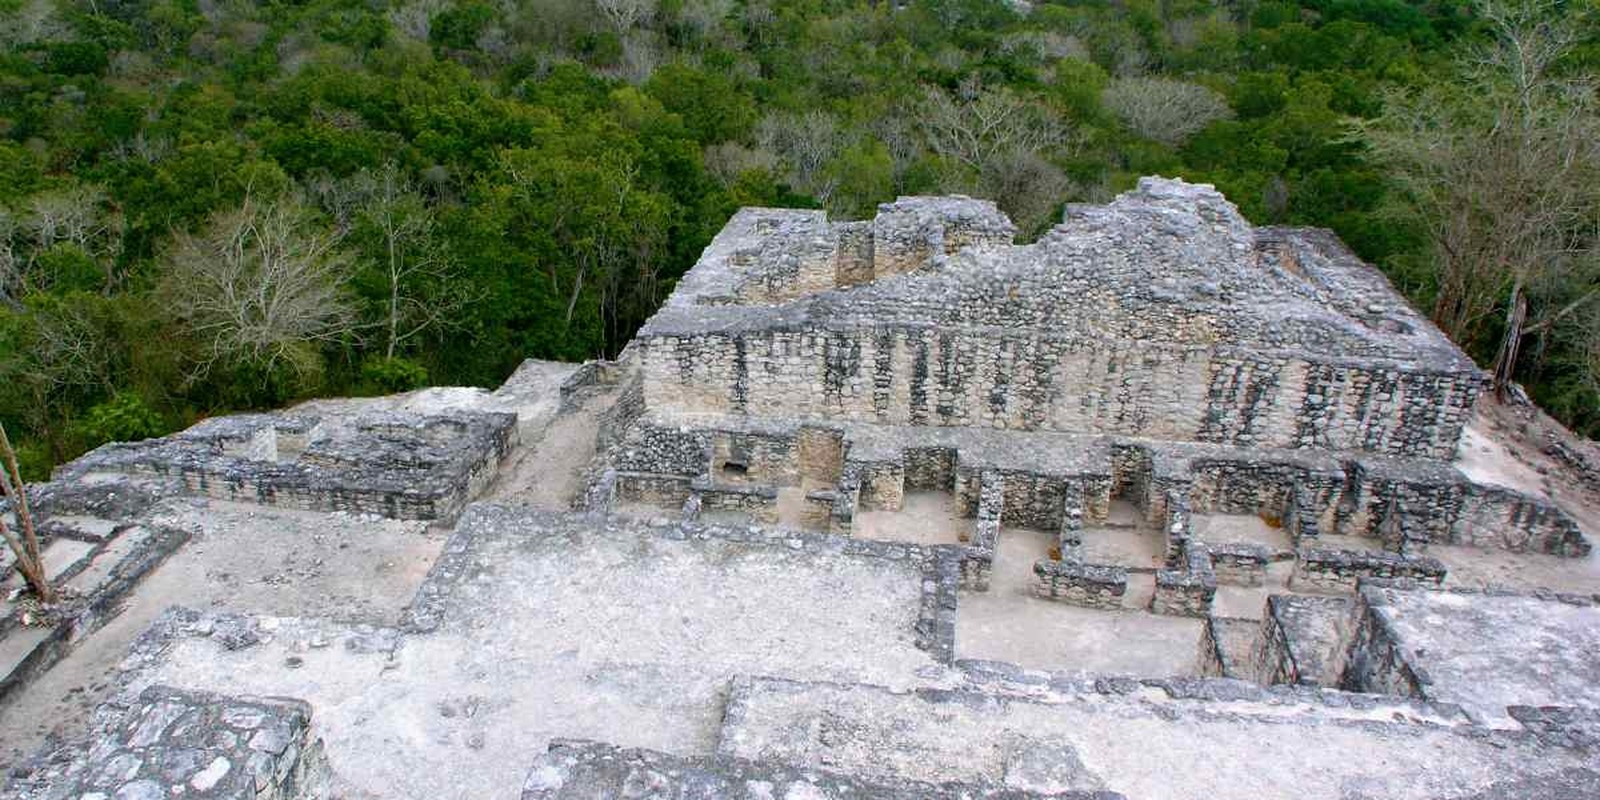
{"points": [[580, 770], [1170, 739]]}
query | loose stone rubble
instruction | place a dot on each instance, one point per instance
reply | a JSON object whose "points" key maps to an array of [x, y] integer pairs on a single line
{"points": [[1161, 505]]}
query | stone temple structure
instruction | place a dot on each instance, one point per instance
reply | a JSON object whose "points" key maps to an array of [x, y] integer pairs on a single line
{"points": [[1161, 505]]}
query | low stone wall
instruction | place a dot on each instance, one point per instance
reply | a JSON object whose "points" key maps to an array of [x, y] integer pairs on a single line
{"points": [[618, 418], [668, 491], [1087, 585], [882, 486], [1227, 648], [1187, 592], [1325, 569], [760, 502], [979, 554], [1491, 516], [940, 566], [392, 464], [588, 377], [1239, 563]]}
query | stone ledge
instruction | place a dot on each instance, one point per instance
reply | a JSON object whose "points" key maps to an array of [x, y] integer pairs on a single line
{"points": [[579, 770]]}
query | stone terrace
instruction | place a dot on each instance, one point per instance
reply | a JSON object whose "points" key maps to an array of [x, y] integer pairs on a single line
{"points": [[1159, 506]]}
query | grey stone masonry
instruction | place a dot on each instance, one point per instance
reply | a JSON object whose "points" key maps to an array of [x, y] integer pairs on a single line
{"points": [[1162, 315], [1186, 592], [391, 463], [1304, 640], [176, 743], [1487, 652], [582, 770], [1087, 585], [1322, 568]]}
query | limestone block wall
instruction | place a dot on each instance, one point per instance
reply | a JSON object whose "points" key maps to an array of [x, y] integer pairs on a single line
{"points": [[1397, 504], [1087, 585], [1377, 661], [1239, 563], [908, 375], [760, 502], [1321, 568], [652, 489], [176, 743], [1494, 517], [1186, 592]]}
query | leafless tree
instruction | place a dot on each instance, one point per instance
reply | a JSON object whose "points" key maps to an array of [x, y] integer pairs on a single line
{"points": [[625, 14], [978, 127], [261, 285], [32, 21], [1162, 109], [1503, 169], [805, 143], [1045, 45], [726, 161], [703, 17], [641, 55], [10, 262], [415, 18], [67, 215], [419, 275], [24, 541]]}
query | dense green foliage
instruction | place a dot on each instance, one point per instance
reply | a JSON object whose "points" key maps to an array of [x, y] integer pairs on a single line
{"points": [[399, 192]]}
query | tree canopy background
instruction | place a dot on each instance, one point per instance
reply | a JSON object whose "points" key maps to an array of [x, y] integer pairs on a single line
{"points": [[208, 205]]}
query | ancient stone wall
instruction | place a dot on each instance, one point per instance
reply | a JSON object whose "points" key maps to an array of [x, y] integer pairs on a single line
{"points": [[1162, 315], [1088, 585], [911, 376], [1321, 568]]}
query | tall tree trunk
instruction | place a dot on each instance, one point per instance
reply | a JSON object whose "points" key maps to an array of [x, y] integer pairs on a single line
{"points": [[1505, 361], [26, 546]]}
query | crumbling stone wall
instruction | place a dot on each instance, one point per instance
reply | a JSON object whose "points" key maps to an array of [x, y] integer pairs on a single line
{"points": [[1162, 315], [1088, 585], [1322, 568]]}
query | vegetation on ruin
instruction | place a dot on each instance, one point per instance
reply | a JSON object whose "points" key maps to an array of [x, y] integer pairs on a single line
{"points": [[210, 205]]}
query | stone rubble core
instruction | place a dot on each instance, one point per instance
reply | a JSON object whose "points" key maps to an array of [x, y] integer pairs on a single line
{"points": [[895, 508], [170, 742]]}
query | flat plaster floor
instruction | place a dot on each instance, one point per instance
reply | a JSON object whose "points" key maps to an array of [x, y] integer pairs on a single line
{"points": [[244, 558], [1008, 623], [560, 629], [1143, 745], [1485, 653], [1239, 529], [1134, 548], [1478, 568], [924, 518]]}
